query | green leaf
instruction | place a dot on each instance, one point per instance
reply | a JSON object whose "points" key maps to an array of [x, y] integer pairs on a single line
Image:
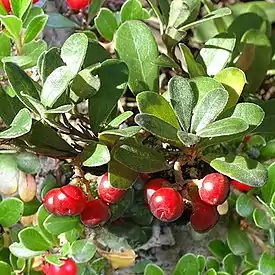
{"points": [[60, 110], [19, 7], [261, 219], [120, 119], [166, 61], [5, 46], [24, 85], [233, 80], [28, 162], [224, 127], [35, 27], [244, 206], [11, 211], [211, 271], [267, 264], [55, 85], [9, 107], [208, 109], [74, 50], [116, 133], [217, 52], [85, 84], [57, 225], [193, 67], [34, 49], [178, 14], [157, 127], [202, 262], [58, 21], [187, 139], [133, 10], [136, 46], [155, 104], [106, 23], [120, 175], [152, 269], [95, 54], [20, 251], [5, 268], [113, 75], [118, 209], [141, 214], [54, 259], [218, 248], [213, 263], [188, 264], [33, 12], [182, 100], [94, 9], [255, 58], [82, 251], [23, 62], [238, 242], [32, 239], [242, 169], [13, 25], [30, 208], [20, 125], [95, 154], [269, 188], [2, 9], [210, 16], [231, 263], [140, 158], [268, 151]]}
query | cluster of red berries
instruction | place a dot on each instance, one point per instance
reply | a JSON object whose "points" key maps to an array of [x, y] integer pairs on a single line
{"points": [[7, 4], [167, 205], [70, 200]]}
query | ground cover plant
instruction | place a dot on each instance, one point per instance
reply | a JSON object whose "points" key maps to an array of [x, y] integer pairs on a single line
{"points": [[197, 143]]}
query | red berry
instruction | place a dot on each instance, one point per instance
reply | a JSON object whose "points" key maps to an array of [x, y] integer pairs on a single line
{"points": [[214, 189], [68, 200], [68, 268], [246, 139], [152, 186], [166, 204], [78, 4], [96, 212], [107, 192], [204, 217], [241, 186], [6, 4], [35, 1]]}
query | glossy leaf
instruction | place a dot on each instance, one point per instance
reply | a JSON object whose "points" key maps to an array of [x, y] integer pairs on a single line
{"points": [[242, 169], [261, 219], [57, 225], [74, 50], [255, 58], [120, 119], [166, 61], [106, 23], [244, 206], [231, 263], [224, 127], [33, 12], [32, 239], [157, 127], [217, 52], [95, 154], [11, 211], [152, 269], [266, 264], [113, 75], [13, 25], [133, 10], [187, 139], [28, 162], [182, 100], [208, 109], [19, 7], [155, 104], [238, 242], [188, 264], [193, 67], [268, 189], [140, 158], [233, 80], [5, 47], [20, 251], [20, 125], [35, 27], [120, 175], [55, 85], [58, 21], [137, 47], [82, 251], [218, 248], [5, 268], [178, 14]]}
